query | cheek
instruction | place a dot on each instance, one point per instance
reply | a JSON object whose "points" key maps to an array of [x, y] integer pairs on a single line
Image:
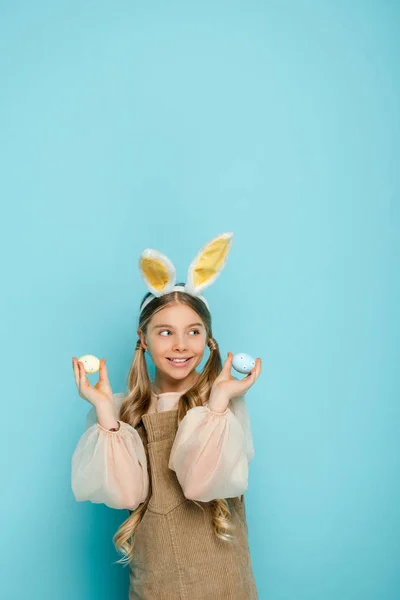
{"points": [[198, 344], [159, 344], [155, 344]]}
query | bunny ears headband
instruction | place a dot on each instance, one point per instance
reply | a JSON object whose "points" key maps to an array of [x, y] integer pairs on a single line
{"points": [[159, 274]]}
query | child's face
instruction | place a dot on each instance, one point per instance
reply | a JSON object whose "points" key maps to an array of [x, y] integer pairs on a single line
{"points": [[176, 332]]}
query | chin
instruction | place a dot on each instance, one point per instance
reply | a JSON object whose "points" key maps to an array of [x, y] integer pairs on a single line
{"points": [[179, 374]]}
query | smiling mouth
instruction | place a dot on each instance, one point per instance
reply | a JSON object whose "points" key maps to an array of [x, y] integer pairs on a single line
{"points": [[179, 361]]}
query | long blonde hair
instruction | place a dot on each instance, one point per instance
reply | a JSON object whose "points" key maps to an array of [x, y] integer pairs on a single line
{"points": [[137, 403]]}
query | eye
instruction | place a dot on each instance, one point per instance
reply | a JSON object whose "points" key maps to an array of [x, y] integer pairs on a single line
{"points": [[163, 331], [195, 331]]}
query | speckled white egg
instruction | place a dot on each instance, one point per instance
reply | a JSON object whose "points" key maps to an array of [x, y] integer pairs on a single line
{"points": [[243, 363], [91, 364]]}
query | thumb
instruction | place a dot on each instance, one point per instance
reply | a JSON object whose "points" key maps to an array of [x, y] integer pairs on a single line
{"points": [[226, 369]]}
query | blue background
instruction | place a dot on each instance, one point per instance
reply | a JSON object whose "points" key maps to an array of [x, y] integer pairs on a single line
{"points": [[127, 125]]}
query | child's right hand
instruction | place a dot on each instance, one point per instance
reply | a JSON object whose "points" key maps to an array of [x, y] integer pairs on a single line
{"points": [[98, 395]]}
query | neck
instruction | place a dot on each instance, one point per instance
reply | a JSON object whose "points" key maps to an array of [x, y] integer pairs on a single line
{"points": [[163, 384]]}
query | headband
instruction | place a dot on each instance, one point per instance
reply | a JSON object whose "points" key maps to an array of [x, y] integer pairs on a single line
{"points": [[159, 273]]}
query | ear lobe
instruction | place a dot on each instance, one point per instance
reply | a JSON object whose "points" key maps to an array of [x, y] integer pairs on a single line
{"points": [[142, 339], [208, 263], [157, 271]]}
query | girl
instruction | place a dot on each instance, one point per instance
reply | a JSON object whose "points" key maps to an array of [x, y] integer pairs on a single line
{"points": [[174, 451]]}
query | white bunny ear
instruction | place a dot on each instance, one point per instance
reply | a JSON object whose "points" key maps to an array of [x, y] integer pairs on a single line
{"points": [[208, 263], [157, 271]]}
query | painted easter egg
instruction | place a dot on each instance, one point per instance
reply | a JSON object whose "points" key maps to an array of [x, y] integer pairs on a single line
{"points": [[243, 363], [91, 364]]}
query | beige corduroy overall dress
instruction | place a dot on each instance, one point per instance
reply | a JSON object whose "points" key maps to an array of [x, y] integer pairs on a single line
{"points": [[177, 555]]}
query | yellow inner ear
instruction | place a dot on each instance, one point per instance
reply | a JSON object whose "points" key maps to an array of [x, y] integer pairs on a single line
{"points": [[156, 272], [210, 261]]}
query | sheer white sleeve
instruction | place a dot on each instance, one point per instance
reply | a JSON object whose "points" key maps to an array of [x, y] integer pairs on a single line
{"points": [[110, 467], [212, 451]]}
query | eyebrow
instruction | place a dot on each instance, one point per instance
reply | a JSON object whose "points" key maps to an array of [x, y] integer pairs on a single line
{"points": [[171, 327]]}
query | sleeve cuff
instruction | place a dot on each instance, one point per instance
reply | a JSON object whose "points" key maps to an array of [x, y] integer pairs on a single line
{"points": [[108, 431], [218, 414]]}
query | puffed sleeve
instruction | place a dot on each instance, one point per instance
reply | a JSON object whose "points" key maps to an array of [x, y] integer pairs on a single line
{"points": [[110, 467], [212, 451]]}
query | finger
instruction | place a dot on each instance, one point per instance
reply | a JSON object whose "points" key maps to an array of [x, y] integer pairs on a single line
{"points": [[76, 370], [258, 368], [251, 378], [83, 380], [103, 376]]}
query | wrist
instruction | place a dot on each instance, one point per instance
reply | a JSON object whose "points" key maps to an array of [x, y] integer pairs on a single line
{"points": [[218, 403], [107, 416]]}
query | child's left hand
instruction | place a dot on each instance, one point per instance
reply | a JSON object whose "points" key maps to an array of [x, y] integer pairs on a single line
{"points": [[226, 387]]}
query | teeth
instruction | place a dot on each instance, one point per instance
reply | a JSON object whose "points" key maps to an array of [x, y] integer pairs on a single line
{"points": [[178, 359]]}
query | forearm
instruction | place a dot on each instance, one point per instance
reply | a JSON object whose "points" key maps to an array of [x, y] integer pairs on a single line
{"points": [[208, 454], [110, 467]]}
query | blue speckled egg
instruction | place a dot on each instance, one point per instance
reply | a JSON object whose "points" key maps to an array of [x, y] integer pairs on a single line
{"points": [[243, 363]]}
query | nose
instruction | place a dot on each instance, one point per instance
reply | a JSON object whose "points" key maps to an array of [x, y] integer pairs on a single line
{"points": [[179, 343]]}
